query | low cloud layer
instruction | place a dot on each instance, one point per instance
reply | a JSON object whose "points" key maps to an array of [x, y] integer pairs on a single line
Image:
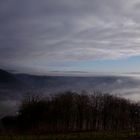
{"points": [[122, 86], [37, 34]]}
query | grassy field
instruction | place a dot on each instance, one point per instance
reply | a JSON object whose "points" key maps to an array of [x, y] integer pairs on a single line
{"points": [[74, 136]]}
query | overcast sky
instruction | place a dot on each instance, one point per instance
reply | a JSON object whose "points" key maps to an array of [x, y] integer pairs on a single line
{"points": [[70, 35]]}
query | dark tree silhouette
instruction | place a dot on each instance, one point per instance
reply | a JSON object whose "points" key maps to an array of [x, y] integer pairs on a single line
{"points": [[70, 111]]}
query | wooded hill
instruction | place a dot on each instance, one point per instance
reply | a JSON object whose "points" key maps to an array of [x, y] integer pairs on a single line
{"points": [[73, 112]]}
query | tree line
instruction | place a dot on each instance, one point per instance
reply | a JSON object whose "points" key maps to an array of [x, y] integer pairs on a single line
{"points": [[73, 112]]}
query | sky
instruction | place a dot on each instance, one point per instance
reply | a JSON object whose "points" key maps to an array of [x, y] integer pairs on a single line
{"points": [[52, 36]]}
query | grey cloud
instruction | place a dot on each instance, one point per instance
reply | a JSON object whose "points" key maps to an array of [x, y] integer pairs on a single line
{"points": [[33, 33]]}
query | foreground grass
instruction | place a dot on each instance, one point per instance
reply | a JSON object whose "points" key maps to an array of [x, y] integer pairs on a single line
{"points": [[74, 136]]}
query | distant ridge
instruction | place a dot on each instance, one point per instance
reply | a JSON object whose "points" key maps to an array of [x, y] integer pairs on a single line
{"points": [[17, 84], [7, 77]]}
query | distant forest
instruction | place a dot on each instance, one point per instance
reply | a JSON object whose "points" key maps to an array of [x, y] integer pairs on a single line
{"points": [[73, 112]]}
